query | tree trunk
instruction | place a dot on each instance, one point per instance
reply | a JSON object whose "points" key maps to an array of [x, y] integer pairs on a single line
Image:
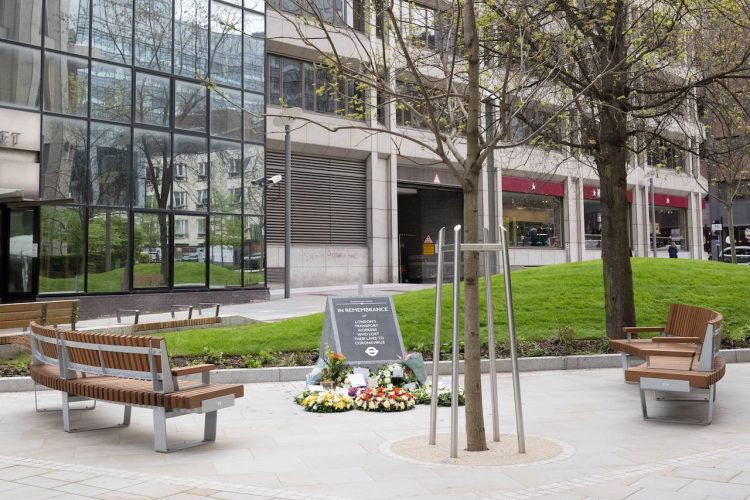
{"points": [[732, 242]]}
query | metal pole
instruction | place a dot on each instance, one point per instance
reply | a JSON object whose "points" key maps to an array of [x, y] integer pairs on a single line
{"points": [[287, 209], [653, 216], [454, 371], [512, 341], [436, 345], [491, 337], [491, 185]]}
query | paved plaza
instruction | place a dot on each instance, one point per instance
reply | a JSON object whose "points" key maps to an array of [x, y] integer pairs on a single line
{"points": [[267, 447]]}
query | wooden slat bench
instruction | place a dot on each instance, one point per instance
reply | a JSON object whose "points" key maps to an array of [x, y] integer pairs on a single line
{"points": [[128, 370], [682, 371], [18, 316], [684, 332]]}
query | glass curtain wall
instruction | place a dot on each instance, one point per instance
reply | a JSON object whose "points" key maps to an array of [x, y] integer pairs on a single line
{"points": [[158, 168]]}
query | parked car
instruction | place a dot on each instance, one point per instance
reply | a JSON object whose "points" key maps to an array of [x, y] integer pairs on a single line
{"points": [[743, 255]]}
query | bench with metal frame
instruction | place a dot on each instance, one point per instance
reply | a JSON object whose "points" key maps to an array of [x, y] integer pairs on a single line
{"points": [[690, 375], [130, 370], [19, 315], [182, 307]]}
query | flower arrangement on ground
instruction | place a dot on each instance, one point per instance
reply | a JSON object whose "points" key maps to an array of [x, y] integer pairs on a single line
{"points": [[395, 375], [384, 399], [325, 401], [423, 395], [335, 369]]}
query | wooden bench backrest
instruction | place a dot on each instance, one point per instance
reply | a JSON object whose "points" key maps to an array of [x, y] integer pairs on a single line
{"points": [[684, 320], [44, 344], [56, 312], [126, 356]]}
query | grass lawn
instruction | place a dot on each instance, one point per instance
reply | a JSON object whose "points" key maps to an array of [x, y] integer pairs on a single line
{"points": [[545, 299]]}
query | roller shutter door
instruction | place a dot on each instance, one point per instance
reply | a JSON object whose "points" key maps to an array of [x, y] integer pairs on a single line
{"points": [[329, 201]]}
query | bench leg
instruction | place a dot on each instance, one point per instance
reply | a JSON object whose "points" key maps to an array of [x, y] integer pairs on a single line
{"points": [[71, 399], [68, 398], [160, 430], [209, 426], [643, 404]]}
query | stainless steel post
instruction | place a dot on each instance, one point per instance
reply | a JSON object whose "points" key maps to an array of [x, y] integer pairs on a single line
{"points": [[491, 337], [456, 310], [512, 341], [436, 345], [287, 209]]}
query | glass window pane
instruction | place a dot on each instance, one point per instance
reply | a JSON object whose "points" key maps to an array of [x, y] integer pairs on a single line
{"points": [[257, 5], [191, 38], [112, 30], [226, 251], [189, 106], [255, 108], [592, 222], [253, 249], [533, 220], [226, 44], [326, 101], [291, 75], [152, 104], [20, 20], [66, 84], [61, 249], [254, 46], [110, 92], [226, 177], [110, 164], [309, 77], [189, 251], [153, 34], [63, 159], [226, 116], [190, 173], [671, 226], [68, 26], [153, 174], [254, 168], [108, 251], [21, 250], [274, 69], [20, 75], [151, 244]]}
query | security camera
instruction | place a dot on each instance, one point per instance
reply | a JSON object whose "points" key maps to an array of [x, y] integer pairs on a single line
{"points": [[267, 181]]}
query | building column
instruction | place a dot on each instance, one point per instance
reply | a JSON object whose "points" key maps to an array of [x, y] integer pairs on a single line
{"points": [[695, 226], [573, 220], [382, 219]]}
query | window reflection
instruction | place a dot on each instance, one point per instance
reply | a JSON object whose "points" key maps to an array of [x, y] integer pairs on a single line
{"points": [[61, 249], [189, 251], [20, 20], [225, 113], [110, 164], [152, 104], [20, 75], [226, 249], [254, 169], [153, 177], [533, 220], [226, 176], [67, 26], [191, 172], [110, 92], [254, 257], [64, 159], [254, 117], [254, 46], [112, 32], [191, 37], [151, 243], [226, 44], [153, 34], [66, 84], [189, 106], [107, 250]]}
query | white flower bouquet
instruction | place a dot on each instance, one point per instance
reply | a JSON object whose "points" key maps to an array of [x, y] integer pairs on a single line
{"points": [[384, 399]]}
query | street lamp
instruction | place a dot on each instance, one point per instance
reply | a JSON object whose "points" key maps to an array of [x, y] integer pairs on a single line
{"points": [[286, 119]]}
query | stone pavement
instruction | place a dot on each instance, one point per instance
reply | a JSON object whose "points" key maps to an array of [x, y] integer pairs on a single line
{"points": [[267, 447]]}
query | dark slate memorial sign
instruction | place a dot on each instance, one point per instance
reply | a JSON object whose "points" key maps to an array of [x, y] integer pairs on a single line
{"points": [[364, 329]]}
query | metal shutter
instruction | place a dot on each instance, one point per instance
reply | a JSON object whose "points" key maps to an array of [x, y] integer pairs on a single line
{"points": [[329, 201]]}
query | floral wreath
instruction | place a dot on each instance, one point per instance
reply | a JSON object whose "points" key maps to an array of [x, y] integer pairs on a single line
{"points": [[324, 401], [423, 395], [384, 399], [388, 375]]}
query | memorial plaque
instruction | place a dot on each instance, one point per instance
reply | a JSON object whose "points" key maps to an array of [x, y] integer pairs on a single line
{"points": [[364, 329]]}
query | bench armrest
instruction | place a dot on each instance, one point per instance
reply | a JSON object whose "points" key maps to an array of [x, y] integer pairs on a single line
{"points": [[643, 329], [677, 340], [189, 370], [668, 353]]}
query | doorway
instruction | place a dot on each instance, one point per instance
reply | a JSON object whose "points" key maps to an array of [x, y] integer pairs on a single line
{"points": [[18, 254], [422, 211]]}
